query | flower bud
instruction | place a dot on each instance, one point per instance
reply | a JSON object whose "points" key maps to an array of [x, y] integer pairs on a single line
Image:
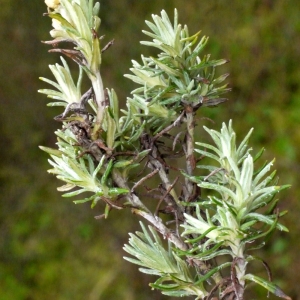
{"points": [[52, 3]]}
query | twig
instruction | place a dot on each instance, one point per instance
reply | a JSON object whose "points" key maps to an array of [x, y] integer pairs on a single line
{"points": [[160, 227], [238, 289], [176, 139], [220, 283], [165, 194], [213, 173], [168, 128], [132, 198], [109, 44], [111, 204], [189, 154], [143, 179]]}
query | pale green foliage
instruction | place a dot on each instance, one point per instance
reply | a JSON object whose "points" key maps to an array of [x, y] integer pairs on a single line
{"points": [[67, 92], [228, 225], [81, 173], [242, 191], [97, 151], [177, 77], [232, 212], [175, 277]]}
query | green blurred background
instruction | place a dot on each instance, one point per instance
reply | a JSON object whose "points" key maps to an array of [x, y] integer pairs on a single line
{"points": [[53, 249]]}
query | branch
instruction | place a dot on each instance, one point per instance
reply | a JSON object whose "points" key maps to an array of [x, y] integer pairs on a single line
{"points": [[160, 227]]}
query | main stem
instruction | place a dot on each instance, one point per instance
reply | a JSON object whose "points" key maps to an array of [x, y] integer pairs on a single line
{"points": [[190, 159], [190, 166], [189, 154], [100, 100], [240, 264]]}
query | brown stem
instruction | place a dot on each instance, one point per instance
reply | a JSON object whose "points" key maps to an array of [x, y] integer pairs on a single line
{"points": [[160, 227], [143, 179], [189, 154], [165, 195]]}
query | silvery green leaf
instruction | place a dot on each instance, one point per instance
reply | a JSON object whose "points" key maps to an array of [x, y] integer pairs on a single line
{"points": [[173, 293], [51, 151], [270, 286], [208, 154], [85, 48], [137, 133], [146, 271], [96, 171], [117, 191], [259, 154], [153, 28], [111, 129], [220, 189], [73, 172], [261, 195], [164, 26], [243, 145], [123, 163], [92, 198], [66, 187], [229, 164], [205, 253], [96, 8], [52, 104], [95, 60], [247, 225], [199, 47], [198, 226], [166, 69], [72, 194], [156, 39], [50, 82], [173, 271], [139, 102], [213, 271], [212, 63], [161, 111], [171, 101], [162, 46], [52, 94], [220, 79], [265, 219], [69, 92], [204, 89], [107, 172], [216, 136], [91, 12], [148, 256], [114, 104], [143, 77], [246, 175], [262, 173]]}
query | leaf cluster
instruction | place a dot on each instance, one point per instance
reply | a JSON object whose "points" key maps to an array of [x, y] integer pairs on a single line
{"points": [[175, 276], [178, 77], [241, 210]]}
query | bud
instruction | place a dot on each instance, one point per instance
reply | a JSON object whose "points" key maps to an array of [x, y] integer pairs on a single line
{"points": [[52, 3]]}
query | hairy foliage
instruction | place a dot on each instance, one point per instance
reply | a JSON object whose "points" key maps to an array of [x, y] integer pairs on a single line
{"points": [[99, 146]]}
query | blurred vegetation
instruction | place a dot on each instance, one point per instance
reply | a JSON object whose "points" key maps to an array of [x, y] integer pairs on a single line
{"points": [[53, 249]]}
